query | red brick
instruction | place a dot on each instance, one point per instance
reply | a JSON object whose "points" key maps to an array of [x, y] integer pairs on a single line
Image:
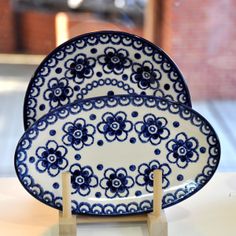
{"points": [[37, 32], [7, 39], [203, 45], [84, 23]]}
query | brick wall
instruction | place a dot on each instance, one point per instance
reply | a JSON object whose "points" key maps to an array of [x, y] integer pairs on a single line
{"points": [[84, 23], [203, 40], [37, 31], [7, 34], [204, 46]]}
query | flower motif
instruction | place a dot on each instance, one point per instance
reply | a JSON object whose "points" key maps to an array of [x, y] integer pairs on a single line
{"points": [[82, 179], [80, 68], [116, 183], [58, 92], [114, 60], [51, 158], [78, 134], [145, 176], [182, 150], [145, 75], [115, 126], [152, 129]]}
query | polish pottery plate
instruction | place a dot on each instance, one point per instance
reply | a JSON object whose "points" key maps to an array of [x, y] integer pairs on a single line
{"points": [[111, 145], [101, 63]]}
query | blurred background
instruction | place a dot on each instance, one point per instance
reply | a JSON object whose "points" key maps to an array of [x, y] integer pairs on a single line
{"points": [[201, 38]]}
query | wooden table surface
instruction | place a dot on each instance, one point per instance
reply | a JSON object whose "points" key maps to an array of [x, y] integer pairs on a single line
{"points": [[210, 212]]}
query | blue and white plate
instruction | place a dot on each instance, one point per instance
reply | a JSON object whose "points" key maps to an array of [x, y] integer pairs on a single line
{"points": [[111, 145], [101, 63]]}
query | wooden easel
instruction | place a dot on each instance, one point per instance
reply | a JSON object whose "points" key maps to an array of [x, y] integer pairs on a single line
{"points": [[156, 220]]}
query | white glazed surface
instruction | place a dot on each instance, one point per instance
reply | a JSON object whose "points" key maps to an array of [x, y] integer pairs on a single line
{"points": [[98, 64], [124, 139]]}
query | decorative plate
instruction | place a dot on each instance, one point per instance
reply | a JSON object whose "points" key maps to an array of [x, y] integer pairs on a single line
{"points": [[111, 145], [101, 63]]}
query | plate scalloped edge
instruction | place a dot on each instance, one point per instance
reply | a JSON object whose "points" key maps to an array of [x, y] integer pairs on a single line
{"points": [[49, 69], [169, 199]]}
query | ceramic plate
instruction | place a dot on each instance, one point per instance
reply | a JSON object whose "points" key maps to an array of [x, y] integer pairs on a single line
{"points": [[98, 64], [111, 145]]}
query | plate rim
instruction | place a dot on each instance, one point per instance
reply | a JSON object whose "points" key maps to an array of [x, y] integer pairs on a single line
{"points": [[57, 110], [181, 76]]}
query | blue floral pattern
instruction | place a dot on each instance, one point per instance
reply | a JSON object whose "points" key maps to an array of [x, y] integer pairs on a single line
{"points": [[58, 93], [78, 134], [80, 68], [116, 183], [182, 150], [82, 179], [145, 76], [181, 185], [145, 176], [51, 158], [114, 60], [85, 62], [115, 126], [152, 129]]}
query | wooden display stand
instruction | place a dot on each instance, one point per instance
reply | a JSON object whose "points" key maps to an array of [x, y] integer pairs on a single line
{"points": [[156, 220]]}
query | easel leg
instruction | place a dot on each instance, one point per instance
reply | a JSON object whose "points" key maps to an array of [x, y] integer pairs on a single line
{"points": [[67, 222], [156, 221], [157, 226]]}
